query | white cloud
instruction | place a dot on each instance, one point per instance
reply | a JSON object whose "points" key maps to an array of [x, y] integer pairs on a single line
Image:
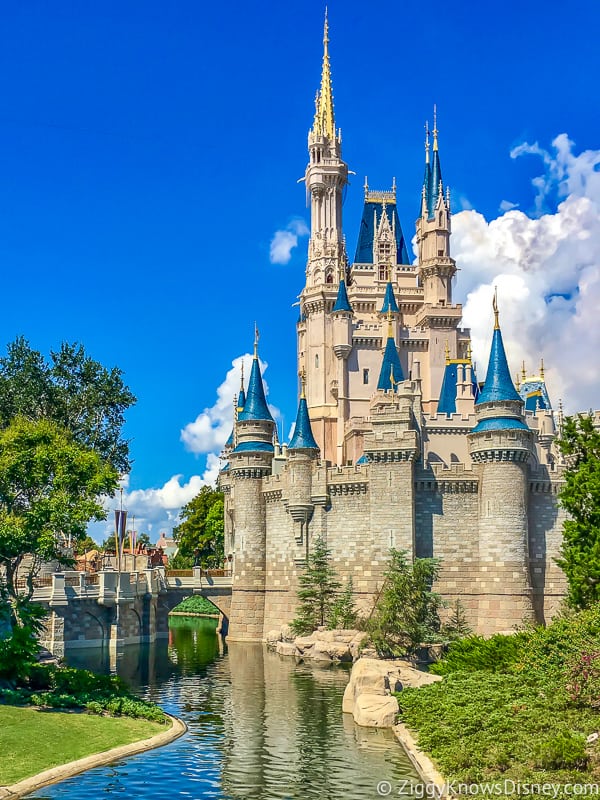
{"points": [[211, 428], [284, 241], [547, 270], [507, 205]]}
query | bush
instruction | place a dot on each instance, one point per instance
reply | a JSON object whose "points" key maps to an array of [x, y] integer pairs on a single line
{"points": [[18, 653], [582, 679], [497, 654], [196, 604], [563, 750]]}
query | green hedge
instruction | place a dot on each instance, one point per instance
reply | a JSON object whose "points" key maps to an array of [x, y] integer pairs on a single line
{"points": [[196, 604]]}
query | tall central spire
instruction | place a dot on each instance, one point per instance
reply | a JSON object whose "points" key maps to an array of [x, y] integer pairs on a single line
{"points": [[325, 98]]}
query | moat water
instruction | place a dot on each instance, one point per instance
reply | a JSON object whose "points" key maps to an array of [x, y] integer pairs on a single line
{"points": [[261, 727]]}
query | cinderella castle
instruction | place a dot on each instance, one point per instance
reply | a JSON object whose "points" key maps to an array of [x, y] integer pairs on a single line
{"points": [[396, 444]]}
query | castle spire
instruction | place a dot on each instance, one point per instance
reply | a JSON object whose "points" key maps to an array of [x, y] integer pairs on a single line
{"points": [[303, 438], [390, 374], [498, 383], [326, 117], [437, 185], [255, 407], [341, 302]]}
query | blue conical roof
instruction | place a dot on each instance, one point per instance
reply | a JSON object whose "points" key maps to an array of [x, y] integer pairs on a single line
{"points": [[255, 406], [371, 218], [447, 401], [303, 438], [230, 440], [427, 186], [241, 401], [390, 367], [436, 182], [498, 383], [389, 301], [342, 303]]}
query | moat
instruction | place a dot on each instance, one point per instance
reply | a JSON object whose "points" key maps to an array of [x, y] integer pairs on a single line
{"points": [[260, 726]]}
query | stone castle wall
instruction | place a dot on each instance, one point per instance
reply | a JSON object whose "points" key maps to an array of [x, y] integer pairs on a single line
{"points": [[466, 522]]}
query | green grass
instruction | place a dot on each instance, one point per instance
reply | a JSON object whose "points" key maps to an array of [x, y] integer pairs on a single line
{"points": [[196, 604], [32, 741]]}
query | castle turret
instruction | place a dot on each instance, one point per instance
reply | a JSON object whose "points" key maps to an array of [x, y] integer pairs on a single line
{"points": [[302, 452], [391, 373], [249, 462], [436, 267], [502, 445]]}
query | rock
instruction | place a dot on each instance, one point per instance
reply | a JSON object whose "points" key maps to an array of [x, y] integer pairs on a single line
{"points": [[375, 711], [356, 645], [332, 651], [287, 634], [373, 676], [286, 649], [273, 637], [304, 643]]}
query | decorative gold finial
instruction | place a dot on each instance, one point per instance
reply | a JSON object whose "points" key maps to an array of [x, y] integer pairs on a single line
{"points": [[542, 369], [366, 187], [495, 307], [242, 378], [523, 372], [303, 383], [427, 142], [435, 130], [389, 319], [447, 351], [256, 338], [394, 187], [518, 382]]}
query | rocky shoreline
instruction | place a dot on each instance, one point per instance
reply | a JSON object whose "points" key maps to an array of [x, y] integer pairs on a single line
{"points": [[326, 646]]}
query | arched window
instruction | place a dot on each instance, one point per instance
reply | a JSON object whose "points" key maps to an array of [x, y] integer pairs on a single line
{"points": [[317, 361]]}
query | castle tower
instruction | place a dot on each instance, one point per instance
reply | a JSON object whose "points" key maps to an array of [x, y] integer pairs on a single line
{"points": [[502, 445], [326, 176], [249, 462], [302, 453]]}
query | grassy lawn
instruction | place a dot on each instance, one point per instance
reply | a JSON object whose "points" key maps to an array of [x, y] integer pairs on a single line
{"points": [[32, 741]]}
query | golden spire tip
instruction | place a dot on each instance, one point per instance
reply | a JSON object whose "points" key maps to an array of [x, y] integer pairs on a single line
{"points": [[256, 338], [542, 369], [447, 352], [523, 372], [495, 307], [303, 384], [435, 128]]}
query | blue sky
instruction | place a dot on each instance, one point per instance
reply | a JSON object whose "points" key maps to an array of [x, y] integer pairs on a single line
{"points": [[150, 152]]}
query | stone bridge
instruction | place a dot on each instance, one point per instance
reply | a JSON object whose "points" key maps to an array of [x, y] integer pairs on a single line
{"points": [[113, 609]]}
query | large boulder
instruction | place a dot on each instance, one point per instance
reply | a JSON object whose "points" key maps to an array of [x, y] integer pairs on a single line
{"points": [[372, 676], [273, 637], [287, 634], [376, 711]]}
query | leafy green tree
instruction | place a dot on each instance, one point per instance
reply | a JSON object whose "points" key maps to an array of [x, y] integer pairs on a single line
{"points": [[200, 534], [71, 389], [406, 612], [580, 497], [318, 588], [343, 612], [84, 546], [456, 626], [49, 485]]}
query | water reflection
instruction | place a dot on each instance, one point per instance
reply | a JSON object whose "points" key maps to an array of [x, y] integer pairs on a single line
{"points": [[261, 727]]}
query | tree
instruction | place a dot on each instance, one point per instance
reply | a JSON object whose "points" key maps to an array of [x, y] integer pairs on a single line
{"points": [[84, 545], [406, 612], [318, 589], [71, 389], [343, 613], [580, 497], [201, 532], [49, 485]]}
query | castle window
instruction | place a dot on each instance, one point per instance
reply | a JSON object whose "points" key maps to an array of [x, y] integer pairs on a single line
{"points": [[317, 361], [440, 252], [382, 272], [365, 376]]}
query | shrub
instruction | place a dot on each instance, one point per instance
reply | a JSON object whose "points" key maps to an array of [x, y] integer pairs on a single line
{"points": [[582, 678], [196, 604], [563, 750], [474, 653]]}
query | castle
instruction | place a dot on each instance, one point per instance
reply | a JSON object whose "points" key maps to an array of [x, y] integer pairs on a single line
{"points": [[395, 445]]}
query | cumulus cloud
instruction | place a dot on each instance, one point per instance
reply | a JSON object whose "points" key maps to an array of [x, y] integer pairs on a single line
{"points": [[211, 428], [284, 241], [547, 270]]}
